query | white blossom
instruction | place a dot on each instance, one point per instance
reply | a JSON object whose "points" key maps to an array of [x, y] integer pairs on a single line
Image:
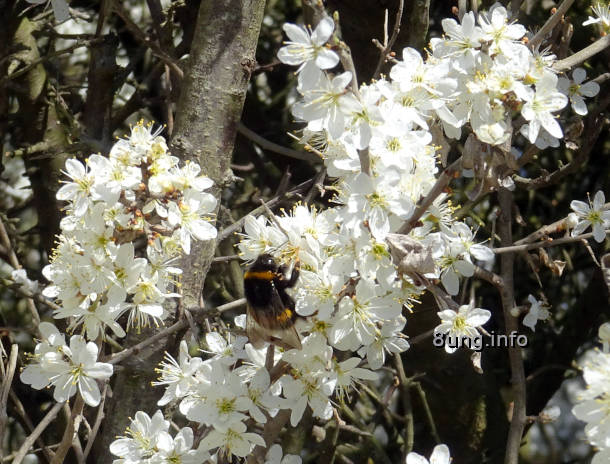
{"points": [[540, 105], [537, 312], [460, 325], [593, 214], [67, 368], [602, 18], [440, 455], [577, 89]]}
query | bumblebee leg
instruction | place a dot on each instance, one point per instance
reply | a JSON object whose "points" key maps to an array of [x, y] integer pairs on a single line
{"points": [[294, 276]]}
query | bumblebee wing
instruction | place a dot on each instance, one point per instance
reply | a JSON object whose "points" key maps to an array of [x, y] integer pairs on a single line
{"points": [[289, 338], [273, 323], [254, 331]]}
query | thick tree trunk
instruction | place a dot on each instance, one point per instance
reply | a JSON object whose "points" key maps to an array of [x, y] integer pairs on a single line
{"points": [[211, 102]]}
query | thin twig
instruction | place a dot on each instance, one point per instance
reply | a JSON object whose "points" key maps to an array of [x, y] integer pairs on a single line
{"points": [[428, 412], [602, 78], [224, 259], [594, 125], [11, 456], [515, 6], [354, 430], [98, 422], [491, 277], [274, 147], [317, 187], [181, 324], [42, 59], [443, 181], [143, 38], [544, 244], [8, 372], [31, 438], [71, 430], [6, 241], [20, 409], [405, 385], [224, 233], [390, 43], [18, 288], [550, 24]]}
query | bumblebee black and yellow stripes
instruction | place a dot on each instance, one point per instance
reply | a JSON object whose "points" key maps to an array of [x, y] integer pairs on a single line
{"points": [[271, 315]]}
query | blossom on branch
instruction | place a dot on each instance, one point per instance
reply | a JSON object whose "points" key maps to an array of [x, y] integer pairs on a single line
{"points": [[593, 214], [67, 368]]}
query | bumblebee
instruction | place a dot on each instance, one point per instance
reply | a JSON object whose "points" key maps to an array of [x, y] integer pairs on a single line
{"points": [[270, 314]]}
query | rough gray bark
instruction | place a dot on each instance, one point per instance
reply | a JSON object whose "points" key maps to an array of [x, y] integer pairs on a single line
{"points": [[210, 105], [211, 102]]}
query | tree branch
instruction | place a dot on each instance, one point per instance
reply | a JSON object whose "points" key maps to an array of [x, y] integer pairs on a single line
{"points": [[544, 244], [42, 425], [550, 24], [443, 181], [583, 55], [388, 44], [507, 295], [274, 147]]}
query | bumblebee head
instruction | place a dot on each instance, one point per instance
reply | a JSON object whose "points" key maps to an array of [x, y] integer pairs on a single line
{"points": [[264, 262]]}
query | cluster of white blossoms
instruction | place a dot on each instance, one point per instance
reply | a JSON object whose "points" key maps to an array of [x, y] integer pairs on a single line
{"points": [[215, 394], [67, 368], [139, 194], [594, 405], [380, 143], [149, 442], [352, 289]]}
